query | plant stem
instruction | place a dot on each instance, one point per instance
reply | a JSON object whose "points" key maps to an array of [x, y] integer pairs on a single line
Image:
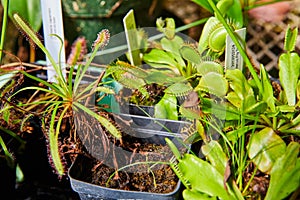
{"points": [[32, 54], [4, 24], [250, 180]]}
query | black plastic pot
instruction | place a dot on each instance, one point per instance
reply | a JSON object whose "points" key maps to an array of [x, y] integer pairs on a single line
{"points": [[144, 111], [155, 132], [8, 176], [153, 129]]}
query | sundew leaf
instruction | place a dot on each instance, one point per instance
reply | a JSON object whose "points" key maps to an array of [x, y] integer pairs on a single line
{"points": [[29, 10], [264, 148], [105, 90], [285, 174], [289, 67], [131, 82]]}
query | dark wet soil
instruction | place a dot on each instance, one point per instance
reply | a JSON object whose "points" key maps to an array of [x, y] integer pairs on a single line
{"points": [[132, 163]]}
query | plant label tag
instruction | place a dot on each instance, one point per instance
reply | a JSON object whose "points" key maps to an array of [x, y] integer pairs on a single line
{"points": [[53, 24], [233, 58], [131, 37]]}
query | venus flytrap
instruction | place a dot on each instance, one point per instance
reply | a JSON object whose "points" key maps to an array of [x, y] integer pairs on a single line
{"points": [[259, 128], [190, 169]]}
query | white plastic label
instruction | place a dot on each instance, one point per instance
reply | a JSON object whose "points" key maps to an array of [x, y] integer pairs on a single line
{"points": [[53, 24], [131, 37], [233, 58]]}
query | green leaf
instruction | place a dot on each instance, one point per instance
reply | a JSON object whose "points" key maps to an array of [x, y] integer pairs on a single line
{"points": [[222, 111], [214, 152], [29, 10], [258, 107], [234, 99], [243, 96], [209, 26], [235, 13], [265, 148], [190, 54], [173, 47], [195, 195], [204, 178], [290, 39], [166, 26], [105, 90], [213, 83], [224, 6], [285, 174], [204, 4], [209, 66], [132, 83], [159, 56], [298, 92], [179, 89], [166, 108], [162, 78], [238, 83], [267, 93], [240, 131], [289, 66]]}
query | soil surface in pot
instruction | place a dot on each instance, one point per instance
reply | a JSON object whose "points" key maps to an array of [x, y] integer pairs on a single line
{"points": [[118, 168], [160, 180]]}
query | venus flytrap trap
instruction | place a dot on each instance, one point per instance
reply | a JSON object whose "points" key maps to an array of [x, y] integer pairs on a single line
{"points": [[190, 169], [67, 97]]}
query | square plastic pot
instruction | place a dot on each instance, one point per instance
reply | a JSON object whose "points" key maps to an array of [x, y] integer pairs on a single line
{"points": [[88, 191], [155, 132]]}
